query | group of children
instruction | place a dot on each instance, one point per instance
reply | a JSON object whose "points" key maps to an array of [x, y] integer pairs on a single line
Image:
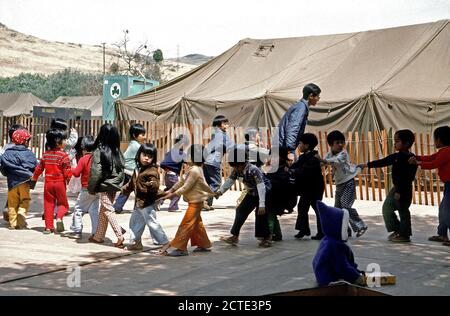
{"points": [[271, 189]]}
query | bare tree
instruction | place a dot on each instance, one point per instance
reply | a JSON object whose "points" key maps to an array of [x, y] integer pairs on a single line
{"points": [[137, 61]]}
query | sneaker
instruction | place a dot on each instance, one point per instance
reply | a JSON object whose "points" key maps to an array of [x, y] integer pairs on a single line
{"points": [[265, 244], [6, 216], [48, 231], [231, 240], [178, 253], [392, 235], [200, 249], [399, 238], [118, 210], [438, 238], [60, 226], [278, 238], [317, 237], [300, 235], [136, 246], [73, 235], [361, 232]]}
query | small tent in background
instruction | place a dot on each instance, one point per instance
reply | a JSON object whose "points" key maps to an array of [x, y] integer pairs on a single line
{"points": [[19, 104], [397, 77], [92, 103]]}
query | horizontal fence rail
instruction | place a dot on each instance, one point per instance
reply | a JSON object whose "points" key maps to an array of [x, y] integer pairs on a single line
{"points": [[372, 184]]}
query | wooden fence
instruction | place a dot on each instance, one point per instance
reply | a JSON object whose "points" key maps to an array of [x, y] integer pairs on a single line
{"points": [[372, 184]]}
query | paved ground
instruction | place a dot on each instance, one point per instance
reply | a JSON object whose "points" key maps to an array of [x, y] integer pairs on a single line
{"points": [[33, 263]]}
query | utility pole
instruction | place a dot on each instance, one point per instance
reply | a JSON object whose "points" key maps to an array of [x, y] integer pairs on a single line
{"points": [[104, 62]]}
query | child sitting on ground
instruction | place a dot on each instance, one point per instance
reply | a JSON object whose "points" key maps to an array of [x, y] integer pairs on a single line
{"points": [[18, 163], [334, 259]]}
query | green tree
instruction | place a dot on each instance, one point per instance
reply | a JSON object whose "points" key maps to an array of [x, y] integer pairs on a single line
{"points": [[158, 56]]}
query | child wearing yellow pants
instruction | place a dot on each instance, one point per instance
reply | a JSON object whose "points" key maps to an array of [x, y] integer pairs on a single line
{"points": [[18, 164]]}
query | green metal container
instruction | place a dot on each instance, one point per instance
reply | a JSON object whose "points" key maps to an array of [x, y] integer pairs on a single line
{"points": [[117, 87]]}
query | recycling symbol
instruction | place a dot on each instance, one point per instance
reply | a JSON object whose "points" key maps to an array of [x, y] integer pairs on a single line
{"points": [[115, 90]]}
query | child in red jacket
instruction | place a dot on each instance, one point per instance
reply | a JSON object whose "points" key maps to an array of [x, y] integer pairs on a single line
{"points": [[86, 202], [441, 161], [56, 164]]}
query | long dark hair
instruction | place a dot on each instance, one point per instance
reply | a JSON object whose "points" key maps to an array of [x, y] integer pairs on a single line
{"points": [[59, 123], [54, 138], [108, 142], [147, 149]]}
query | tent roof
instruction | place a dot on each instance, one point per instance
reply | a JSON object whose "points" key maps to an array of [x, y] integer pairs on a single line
{"points": [[93, 103], [369, 80], [15, 104]]}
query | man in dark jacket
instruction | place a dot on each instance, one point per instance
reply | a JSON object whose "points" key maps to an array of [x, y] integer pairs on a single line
{"points": [[18, 164], [292, 124]]}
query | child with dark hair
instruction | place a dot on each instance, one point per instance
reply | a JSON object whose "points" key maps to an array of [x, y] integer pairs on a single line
{"points": [[71, 139], [11, 131], [18, 163], [400, 196], [137, 136], [86, 202], [256, 185], [334, 259], [441, 161], [107, 178], [145, 185], [172, 163], [344, 176], [310, 185], [56, 164], [195, 190], [256, 154], [282, 194], [220, 144]]}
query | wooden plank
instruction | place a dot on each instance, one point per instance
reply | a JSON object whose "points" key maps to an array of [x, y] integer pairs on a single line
{"points": [[370, 143], [378, 170], [423, 174], [325, 168], [419, 186], [430, 172], [366, 181], [358, 161], [385, 153]]}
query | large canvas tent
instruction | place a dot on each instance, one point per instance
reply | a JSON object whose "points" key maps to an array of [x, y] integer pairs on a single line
{"points": [[19, 104], [92, 103], [397, 77]]}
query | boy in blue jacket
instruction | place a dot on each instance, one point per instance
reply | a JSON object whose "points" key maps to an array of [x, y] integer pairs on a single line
{"points": [[334, 259], [18, 164]]}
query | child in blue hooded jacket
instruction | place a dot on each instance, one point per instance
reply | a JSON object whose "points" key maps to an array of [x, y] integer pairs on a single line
{"points": [[18, 164], [334, 259]]}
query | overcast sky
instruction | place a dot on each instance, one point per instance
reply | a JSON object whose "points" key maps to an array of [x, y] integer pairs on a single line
{"points": [[208, 26]]}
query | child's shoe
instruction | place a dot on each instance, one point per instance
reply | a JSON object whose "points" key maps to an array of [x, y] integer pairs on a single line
{"points": [[317, 237], [438, 238], [59, 226], [6, 216], [231, 240], [265, 243], [400, 238], [361, 231], [392, 235], [300, 235], [136, 246], [74, 235], [48, 231]]}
